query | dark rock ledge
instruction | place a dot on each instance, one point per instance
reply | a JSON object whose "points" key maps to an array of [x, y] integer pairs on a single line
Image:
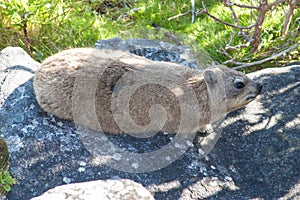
{"points": [[256, 157]]}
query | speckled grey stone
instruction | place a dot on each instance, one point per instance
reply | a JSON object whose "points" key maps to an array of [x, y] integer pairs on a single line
{"points": [[153, 50]]}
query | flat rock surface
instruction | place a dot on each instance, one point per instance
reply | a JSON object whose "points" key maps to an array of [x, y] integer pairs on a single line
{"points": [[256, 157]]}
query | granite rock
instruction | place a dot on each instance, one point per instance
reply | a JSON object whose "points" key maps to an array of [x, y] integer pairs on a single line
{"points": [[256, 157], [153, 50], [103, 189]]}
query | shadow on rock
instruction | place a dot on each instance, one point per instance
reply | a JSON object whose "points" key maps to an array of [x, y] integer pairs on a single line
{"points": [[47, 152], [260, 145]]}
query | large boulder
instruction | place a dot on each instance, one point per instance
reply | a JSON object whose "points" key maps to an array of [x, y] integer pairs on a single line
{"points": [[105, 190], [257, 155]]}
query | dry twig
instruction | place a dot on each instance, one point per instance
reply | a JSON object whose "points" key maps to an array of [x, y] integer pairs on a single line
{"points": [[229, 3], [244, 65], [262, 9], [224, 52], [179, 15], [236, 47], [288, 17], [254, 39], [25, 31], [205, 11]]}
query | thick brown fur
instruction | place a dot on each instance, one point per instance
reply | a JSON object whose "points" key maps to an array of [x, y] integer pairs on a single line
{"points": [[59, 78]]}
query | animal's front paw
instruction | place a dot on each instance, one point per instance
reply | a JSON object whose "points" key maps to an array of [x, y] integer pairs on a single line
{"points": [[205, 131], [206, 139], [202, 133]]}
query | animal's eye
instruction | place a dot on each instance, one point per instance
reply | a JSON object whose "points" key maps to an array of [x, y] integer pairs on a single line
{"points": [[239, 84]]}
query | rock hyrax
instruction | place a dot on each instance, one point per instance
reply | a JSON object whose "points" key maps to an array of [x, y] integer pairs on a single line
{"points": [[125, 93]]}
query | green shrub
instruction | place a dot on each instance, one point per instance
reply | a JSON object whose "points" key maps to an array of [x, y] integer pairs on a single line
{"points": [[5, 178], [6, 181], [44, 27]]}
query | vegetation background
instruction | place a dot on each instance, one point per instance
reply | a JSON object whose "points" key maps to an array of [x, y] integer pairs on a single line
{"points": [[44, 27]]}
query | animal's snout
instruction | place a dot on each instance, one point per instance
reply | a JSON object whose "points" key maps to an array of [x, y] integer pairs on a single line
{"points": [[258, 87]]}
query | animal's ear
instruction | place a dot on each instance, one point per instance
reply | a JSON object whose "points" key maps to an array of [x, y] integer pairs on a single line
{"points": [[210, 77]]}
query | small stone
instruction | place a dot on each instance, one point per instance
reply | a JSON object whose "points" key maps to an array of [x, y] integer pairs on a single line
{"points": [[189, 143], [168, 158], [201, 152], [179, 146], [232, 168], [66, 180], [24, 129], [103, 138], [135, 165], [40, 136], [60, 124], [82, 163], [81, 169], [117, 156], [45, 122], [31, 107], [203, 169], [228, 178]]}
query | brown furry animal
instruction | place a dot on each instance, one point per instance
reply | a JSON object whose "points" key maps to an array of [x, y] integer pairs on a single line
{"points": [[117, 92]]}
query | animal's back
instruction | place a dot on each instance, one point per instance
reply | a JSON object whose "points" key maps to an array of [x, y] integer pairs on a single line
{"points": [[58, 77], [54, 79]]}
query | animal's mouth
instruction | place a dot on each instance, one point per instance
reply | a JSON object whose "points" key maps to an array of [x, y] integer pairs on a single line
{"points": [[250, 97]]}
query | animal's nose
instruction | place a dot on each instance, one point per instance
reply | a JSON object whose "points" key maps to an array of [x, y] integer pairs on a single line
{"points": [[259, 88]]}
